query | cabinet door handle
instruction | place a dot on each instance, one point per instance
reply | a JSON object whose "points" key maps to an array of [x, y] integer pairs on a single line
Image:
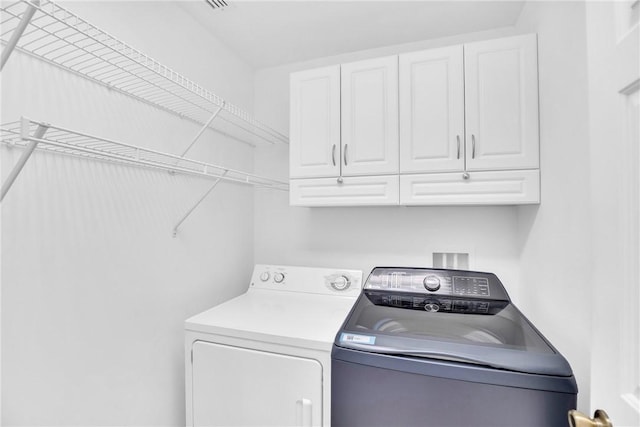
{"points": [[345, 154], [333, 154], [473, 146], [458, 141], [303, 413]]}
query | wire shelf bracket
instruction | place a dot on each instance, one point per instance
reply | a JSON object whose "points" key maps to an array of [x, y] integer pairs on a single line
{"points": [[201, 131], [186, 150], [26, 154], [57, 36], [32, 135], [18, 31], [193, 208]]}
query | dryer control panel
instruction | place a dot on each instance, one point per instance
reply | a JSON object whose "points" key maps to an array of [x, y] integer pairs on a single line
{"points": [[456, 283], [325, 281]]}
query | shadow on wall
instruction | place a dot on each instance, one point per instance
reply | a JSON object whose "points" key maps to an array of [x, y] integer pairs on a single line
{"points": [[526, 219], [410, 231]]}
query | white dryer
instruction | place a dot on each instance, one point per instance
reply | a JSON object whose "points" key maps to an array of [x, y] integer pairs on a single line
{"points": [[264, 357]]}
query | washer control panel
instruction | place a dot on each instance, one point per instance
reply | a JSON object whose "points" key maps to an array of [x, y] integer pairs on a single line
{"points": [[471, 286], [328, 281], [458, 283], [433, 304]]}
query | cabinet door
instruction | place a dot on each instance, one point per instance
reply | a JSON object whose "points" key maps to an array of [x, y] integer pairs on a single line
{"points": [[501, 103], [314, 146], [235, 386], [432, 110], [370, 117]]}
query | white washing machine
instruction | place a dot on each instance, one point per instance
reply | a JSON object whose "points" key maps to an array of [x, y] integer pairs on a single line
{"points": [[264, 357]]}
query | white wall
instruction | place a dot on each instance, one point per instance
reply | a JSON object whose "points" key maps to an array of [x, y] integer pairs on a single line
{"points": [[555, 237], [94, 288]]}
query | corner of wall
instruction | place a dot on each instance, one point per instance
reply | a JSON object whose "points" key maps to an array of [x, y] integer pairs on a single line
{"points": [[555, 247]]}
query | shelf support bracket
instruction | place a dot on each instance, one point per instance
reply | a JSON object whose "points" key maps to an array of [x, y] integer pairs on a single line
{"points": [[33, 143], [17, 33], [206, 125], [204, 196]]}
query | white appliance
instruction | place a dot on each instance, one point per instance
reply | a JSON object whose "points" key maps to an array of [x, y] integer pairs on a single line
{"points": [[264, 357]]}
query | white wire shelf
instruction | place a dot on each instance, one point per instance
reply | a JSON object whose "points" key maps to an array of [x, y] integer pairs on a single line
{"points": [[59, 37], [68, 142]]}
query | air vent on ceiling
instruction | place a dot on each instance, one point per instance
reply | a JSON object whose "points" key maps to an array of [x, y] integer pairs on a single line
{"points": [[218, 4]]}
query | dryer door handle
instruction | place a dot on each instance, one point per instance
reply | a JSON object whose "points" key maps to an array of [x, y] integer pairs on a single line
{"points": [[303, 412]]}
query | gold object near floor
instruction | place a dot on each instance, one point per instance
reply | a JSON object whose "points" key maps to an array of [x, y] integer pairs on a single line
{"points": [[600, 419]]}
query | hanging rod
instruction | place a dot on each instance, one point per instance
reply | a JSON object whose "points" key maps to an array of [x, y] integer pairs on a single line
{"points": [[60, 37], [29, 134]]}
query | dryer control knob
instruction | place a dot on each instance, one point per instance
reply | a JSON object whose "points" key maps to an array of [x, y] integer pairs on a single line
{"points": [[265, 276], [431, 283], [278, 277], [341, 283]]}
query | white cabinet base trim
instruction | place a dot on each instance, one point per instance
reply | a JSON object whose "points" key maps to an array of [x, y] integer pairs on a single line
{"points": [[353, 191], [480, 188]]}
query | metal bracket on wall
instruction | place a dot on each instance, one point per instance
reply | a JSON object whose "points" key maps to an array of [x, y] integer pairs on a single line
{"points": [[201, 131], [204, 196], [17, 32], [184, 153], [33, 143]]}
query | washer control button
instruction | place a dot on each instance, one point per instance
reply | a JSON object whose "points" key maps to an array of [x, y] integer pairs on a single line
{"points": [[278, 277], [341, 283], [265, 276], [431, 283]]}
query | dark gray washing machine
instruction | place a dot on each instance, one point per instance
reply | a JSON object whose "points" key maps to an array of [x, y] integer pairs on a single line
{"points": [[429, 347]]}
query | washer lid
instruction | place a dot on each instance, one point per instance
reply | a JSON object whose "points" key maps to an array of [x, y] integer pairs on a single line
{"points": [[479, 331]]}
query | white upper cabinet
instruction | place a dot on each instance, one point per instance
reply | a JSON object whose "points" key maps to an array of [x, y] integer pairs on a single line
{"points": [[315, 123], [370, 117], [432, 110], [501, 103], [455, 125]]}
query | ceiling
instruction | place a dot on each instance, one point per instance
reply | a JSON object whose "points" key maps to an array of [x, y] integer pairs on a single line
{"points": [[270, 33]]}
